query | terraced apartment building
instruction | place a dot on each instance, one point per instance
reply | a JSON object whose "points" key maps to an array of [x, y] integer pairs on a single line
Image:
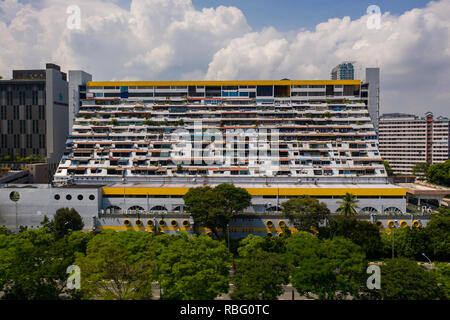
{"points": [[150, 141]]}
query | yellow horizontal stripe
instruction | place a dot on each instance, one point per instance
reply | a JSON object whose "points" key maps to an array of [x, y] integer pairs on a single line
{"points": [[243, 229], [144, 191], [264, 191], [222, 83], [124, 228]]}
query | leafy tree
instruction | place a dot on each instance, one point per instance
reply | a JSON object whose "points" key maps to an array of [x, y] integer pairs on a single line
{"points": [[64, 221], [442, 274], [33, 264], [439, 173], [388, 168], [114, 271], [404, 279], [408, 242], [348, 205], [4, 230], [442, 211], [438, 234], [214, 208], [193, 268], [329, 269], [420, 169], [305, 213], [362, 233], [253, 243], [260, 281]]}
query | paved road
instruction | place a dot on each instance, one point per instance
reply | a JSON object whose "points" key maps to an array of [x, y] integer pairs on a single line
{"points": [[287, 294]]}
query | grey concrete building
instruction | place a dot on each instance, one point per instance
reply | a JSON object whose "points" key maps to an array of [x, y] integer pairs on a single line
{"points": [[373, 79], [103, 208], [34, 114], [77, 91]]}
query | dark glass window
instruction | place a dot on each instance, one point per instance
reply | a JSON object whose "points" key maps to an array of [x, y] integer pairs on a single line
{"points": [[264, 91]]}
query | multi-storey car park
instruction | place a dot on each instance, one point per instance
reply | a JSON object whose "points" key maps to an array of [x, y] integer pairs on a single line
{"points": [[142, 145]]}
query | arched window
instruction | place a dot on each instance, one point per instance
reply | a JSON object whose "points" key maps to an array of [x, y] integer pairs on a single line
{"points": [[392, 211], [368, 210], [273, 209], [178, 208], [159, 208], [137, 208]]}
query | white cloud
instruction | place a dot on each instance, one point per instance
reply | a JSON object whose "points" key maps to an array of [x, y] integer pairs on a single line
{"points": [[154, 39], [412, 51], [170, 39]]}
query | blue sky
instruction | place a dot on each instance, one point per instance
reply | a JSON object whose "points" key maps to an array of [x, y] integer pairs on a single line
{"points": [[286, 15], [176, 40]]}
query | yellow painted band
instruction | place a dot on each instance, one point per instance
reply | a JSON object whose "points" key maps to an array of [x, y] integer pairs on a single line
{"points": [[264, 191], [242, 229], [221, 83]]}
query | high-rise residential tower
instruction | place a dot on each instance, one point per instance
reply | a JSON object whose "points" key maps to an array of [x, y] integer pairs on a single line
{"points": [[408, 139]]}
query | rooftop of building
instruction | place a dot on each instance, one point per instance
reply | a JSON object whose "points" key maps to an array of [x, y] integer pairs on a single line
{"points": [[411, 116], [425, 188], [223, 83], [272, 185]]}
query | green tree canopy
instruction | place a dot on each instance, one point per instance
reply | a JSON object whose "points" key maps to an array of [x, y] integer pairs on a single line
{"points": [[214, 207], [253, 243], [420, 170], [193, 268], [439, 173], [438, 234], [64, 221], [442, 275], [388, 168], [33, 263], [4, 230], [404, 279], [329, 269], [117, 266], [362, 233], [305, 213], [408, 242], [260, 276], [348, 205]]}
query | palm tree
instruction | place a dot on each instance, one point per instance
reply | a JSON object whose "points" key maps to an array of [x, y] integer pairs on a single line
{"points": [[348, 205]]}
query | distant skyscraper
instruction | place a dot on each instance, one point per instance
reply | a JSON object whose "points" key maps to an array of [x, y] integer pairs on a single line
{"points": [[373, 79], [343, 71]]}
